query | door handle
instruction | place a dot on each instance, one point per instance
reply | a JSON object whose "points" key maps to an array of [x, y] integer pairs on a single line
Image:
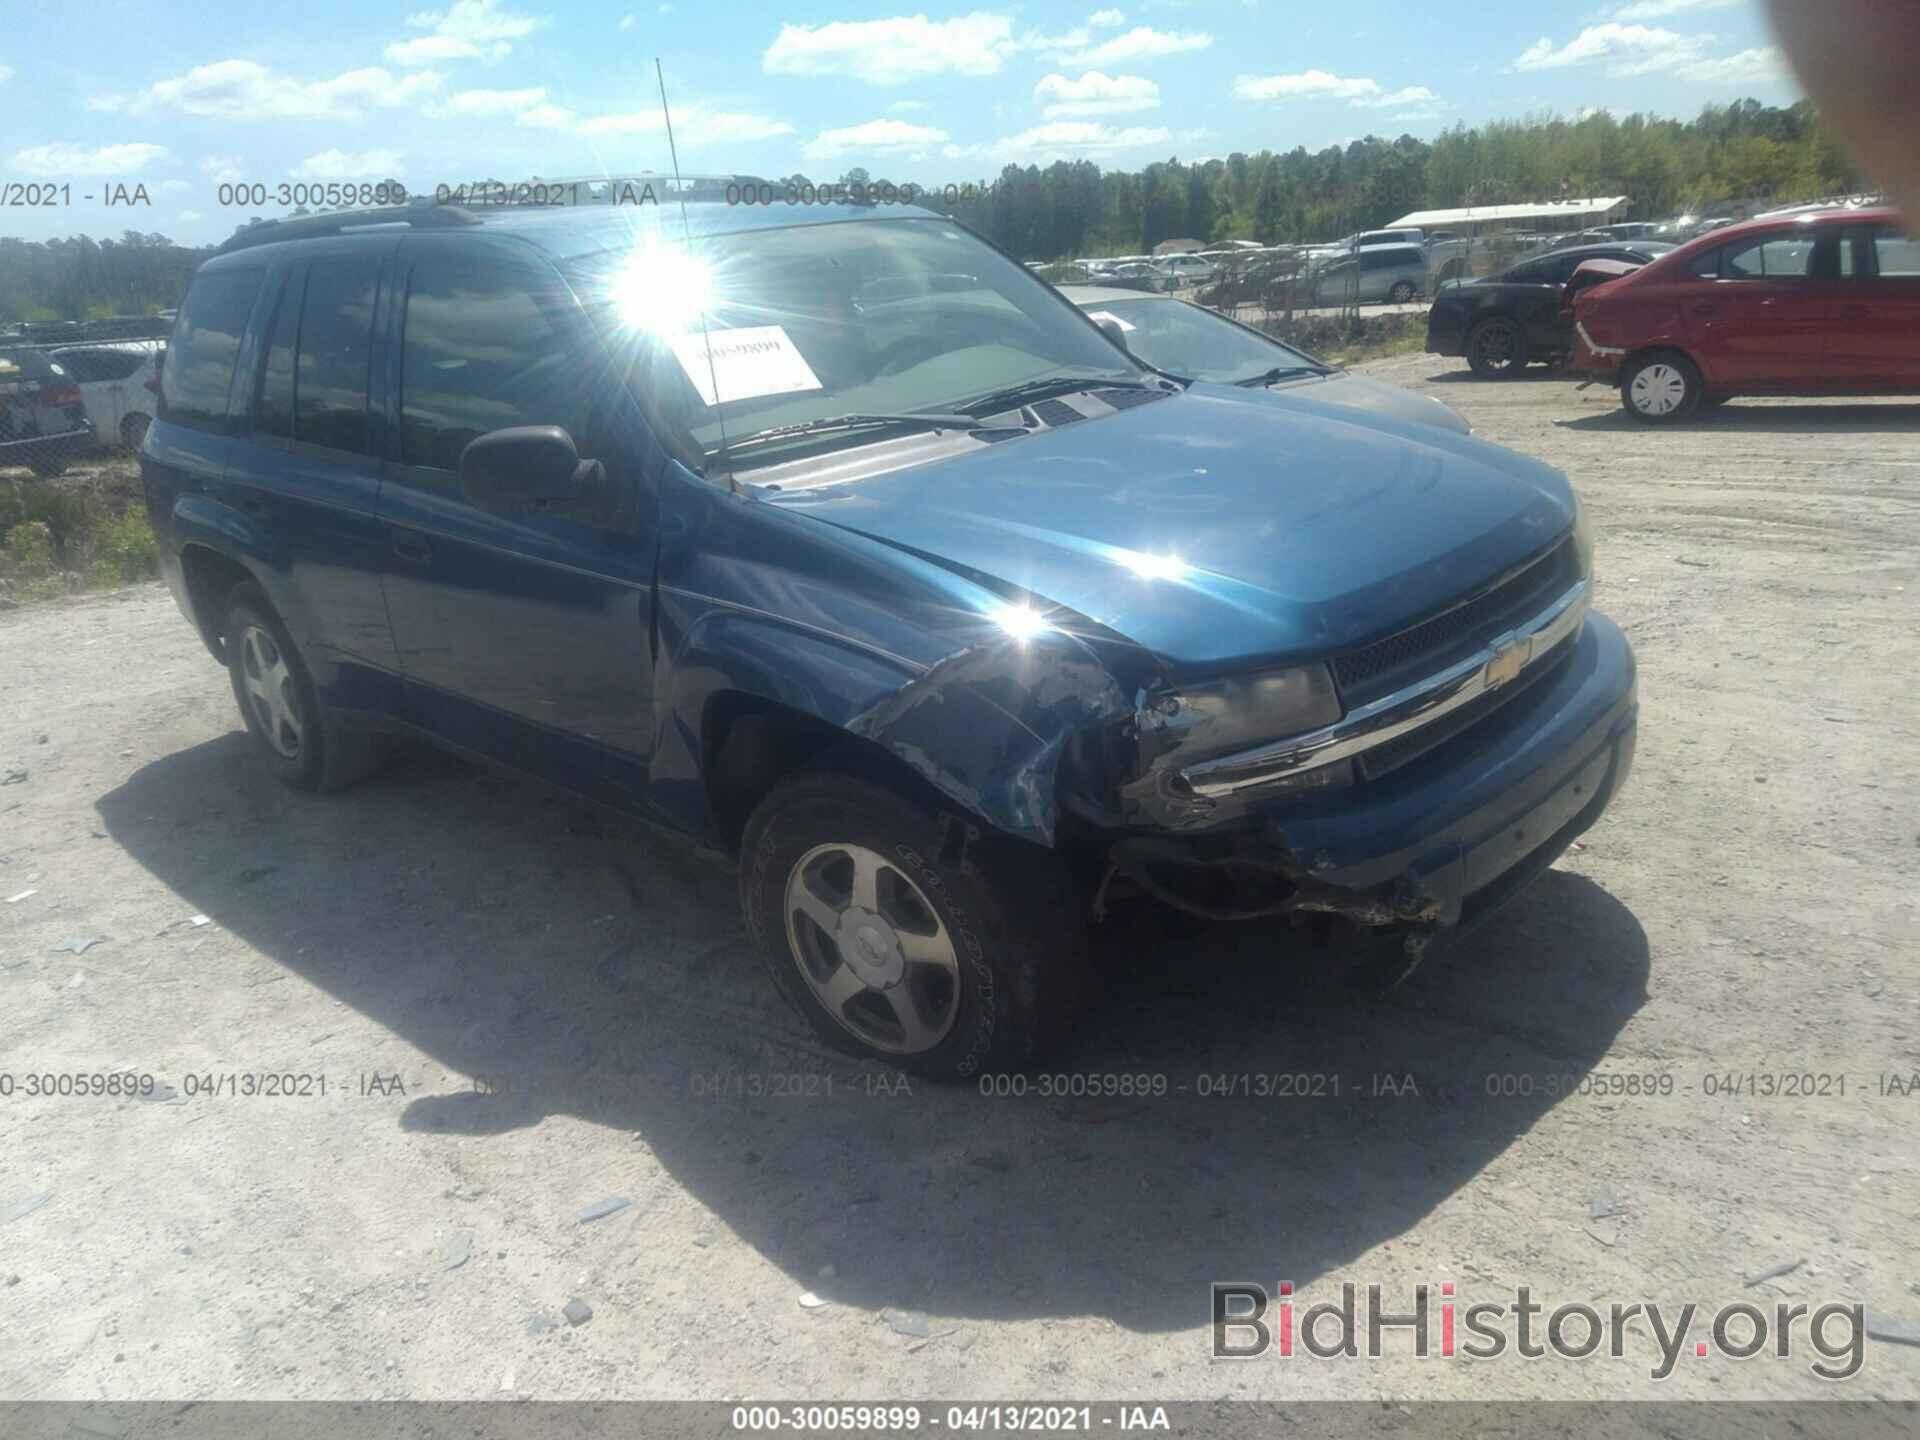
{"points": [[411, 547], [1706, 307], [1856, 312]]}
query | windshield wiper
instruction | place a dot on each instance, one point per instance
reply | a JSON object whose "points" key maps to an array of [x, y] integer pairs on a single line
{"points": [[923, 421], [1029, 390], [1281, 372]]}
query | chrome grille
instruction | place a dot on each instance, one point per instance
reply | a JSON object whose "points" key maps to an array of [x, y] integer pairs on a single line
{"points": [[1431, 644]]}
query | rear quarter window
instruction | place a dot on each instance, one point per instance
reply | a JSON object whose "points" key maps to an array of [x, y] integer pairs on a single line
{"points": [[196, 383]]}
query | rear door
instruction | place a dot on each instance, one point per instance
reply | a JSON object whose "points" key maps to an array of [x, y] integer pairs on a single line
{"points": [[1761, 319], [187, 449], [308, 471], [526, 635], [1875, 345]]}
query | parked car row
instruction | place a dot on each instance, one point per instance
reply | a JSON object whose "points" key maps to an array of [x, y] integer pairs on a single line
{"points": [[962, 616], [1822, 302]]}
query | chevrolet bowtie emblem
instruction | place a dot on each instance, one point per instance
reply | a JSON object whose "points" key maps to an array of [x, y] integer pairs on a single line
{"points": [[1510, 657]]}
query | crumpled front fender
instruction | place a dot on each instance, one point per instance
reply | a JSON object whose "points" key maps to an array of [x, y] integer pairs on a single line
{"points": [[987, 726]]}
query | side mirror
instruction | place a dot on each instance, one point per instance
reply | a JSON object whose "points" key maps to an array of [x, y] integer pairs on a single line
{"points": [[1111, 329], [525, 467]]}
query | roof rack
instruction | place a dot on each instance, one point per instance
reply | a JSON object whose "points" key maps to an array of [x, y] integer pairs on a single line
{"points": [[419, 217]]}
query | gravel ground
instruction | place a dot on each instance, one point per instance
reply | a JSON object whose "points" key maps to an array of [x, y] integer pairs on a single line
{"points": [[1748, 907]]}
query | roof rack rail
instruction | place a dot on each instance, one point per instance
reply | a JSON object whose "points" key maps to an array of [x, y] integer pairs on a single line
{"points": [[420, 217]]}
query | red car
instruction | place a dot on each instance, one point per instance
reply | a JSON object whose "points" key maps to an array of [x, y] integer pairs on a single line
{"points": [[1826, 303]]}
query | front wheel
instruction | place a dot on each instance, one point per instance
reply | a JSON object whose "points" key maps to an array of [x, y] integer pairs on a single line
{"points": [[1660, 389], [904, 933]]}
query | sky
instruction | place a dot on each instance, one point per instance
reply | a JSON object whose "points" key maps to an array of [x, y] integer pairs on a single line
{"points": [[182, 99]]}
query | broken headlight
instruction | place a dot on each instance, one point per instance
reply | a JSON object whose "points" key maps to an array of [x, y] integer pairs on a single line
{"points": [[1203, 722]]}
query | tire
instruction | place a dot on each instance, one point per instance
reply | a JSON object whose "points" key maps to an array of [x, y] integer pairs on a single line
{"points": [[294, 736], [962, 964], [1497, 349], [133, 429], [1661, 389], [47, 469], [1401, 293]]}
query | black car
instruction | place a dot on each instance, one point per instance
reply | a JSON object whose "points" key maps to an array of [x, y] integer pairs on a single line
{"points": [[43, 418], [1504, 322]]}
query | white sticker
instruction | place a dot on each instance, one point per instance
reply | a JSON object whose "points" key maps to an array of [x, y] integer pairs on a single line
{"points": [[1098, 315], [759, 360]]}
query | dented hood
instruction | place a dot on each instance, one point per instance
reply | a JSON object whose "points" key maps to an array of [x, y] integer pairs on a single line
{"points": [[1223, 526]]}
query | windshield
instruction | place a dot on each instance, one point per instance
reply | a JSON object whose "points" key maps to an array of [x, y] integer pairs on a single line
{"points": [[812, 322], [1197, 344]]}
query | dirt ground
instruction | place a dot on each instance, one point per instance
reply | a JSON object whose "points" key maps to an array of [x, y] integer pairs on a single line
{"points": [[1749, 908]]}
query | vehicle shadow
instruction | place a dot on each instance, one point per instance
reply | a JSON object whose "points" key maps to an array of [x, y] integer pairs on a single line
{"points": [[1533, 374], [1736, 416], [1262, 1121]]}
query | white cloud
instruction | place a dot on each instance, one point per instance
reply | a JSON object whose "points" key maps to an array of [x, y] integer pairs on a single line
{"points": [[1321, 85], [1763, 65], [529, 107], [907, 107], [66, 160], [339, 165], [491, 102], [1096, 94], [173, 187], [892, 51], [6, 73], [1140, 43], [186, 217], [627, 22], [465, 30], [1624, 49], [879, 137], [225, 169], [1069, 138], [1106, 19], [692, 125], [1655, 9], [247, 90]]}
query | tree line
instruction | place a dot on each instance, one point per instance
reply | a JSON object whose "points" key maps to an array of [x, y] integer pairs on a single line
{"points": [[1742, 151]]}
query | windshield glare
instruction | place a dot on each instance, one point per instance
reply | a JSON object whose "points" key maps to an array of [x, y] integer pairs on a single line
{"points": [[816, 321], [1196, 344]]}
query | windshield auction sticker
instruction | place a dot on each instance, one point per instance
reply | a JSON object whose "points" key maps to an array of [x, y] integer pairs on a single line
{"points": [[747, 363], [1098, 315]]}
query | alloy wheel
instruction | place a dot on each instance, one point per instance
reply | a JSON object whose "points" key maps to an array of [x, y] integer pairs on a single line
{"points": [[270, 690], [872, 949]]}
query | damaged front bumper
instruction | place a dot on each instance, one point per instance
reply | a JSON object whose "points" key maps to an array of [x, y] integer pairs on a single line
{"points": [[1439, 843]]}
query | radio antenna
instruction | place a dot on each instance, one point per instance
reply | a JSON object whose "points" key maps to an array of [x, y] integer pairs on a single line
{"points": [[686, 235]]}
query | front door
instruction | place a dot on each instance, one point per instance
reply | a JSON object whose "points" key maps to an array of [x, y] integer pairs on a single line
{"points": [[526, 636], [1762, 322]]}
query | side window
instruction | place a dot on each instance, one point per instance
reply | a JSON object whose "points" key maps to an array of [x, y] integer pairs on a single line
{"points": [[1706, 265], [273, 411], [1896, 255], [485, 347], [334, 354], [198, 376], [1777, 257]]}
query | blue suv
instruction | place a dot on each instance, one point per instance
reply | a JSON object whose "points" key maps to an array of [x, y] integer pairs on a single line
{"points": [[834, 538]]}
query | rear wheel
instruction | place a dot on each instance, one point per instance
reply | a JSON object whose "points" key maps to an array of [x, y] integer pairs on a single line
{"points": [[290, 731], [1401, 293], [133, 429], [1497, 349], [902, 933], [47, 469], [1660, 389]]}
